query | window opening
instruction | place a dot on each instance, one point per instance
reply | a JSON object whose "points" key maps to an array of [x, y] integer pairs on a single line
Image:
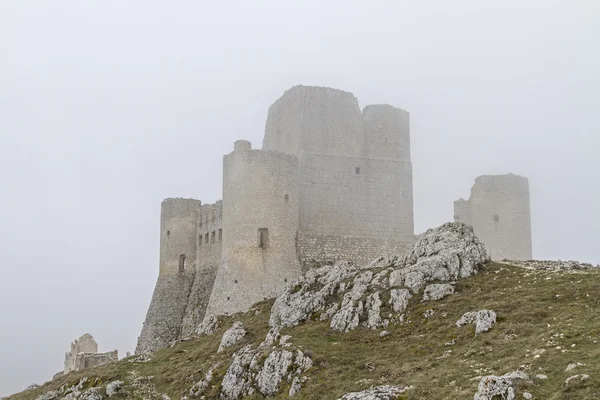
{"points": [[263, 238]]}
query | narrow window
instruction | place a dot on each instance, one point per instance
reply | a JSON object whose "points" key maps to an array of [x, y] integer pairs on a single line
{"points": [[200, 240], [287, 197], [285, 280], [220, 235], [181, 263], [263, 238], [212, 237], [206, 238], [235, 281], [357, 170], [496, 218], [168, 233], [227, 298]]}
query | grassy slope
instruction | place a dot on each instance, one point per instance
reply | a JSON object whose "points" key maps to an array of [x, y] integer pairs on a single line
{"points": [[537, 312]]}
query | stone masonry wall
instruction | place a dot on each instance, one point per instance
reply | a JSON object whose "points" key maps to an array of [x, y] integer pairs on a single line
{"points": [[499, 212], [319, 250], [208, 258], [260, 221], [88, 360], [85, 344], [178, 247]]}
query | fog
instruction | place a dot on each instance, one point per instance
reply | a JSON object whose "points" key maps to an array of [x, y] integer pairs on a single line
{"points": [[107, 107]]}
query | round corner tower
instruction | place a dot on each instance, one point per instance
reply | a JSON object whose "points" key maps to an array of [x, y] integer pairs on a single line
{"points": [[260, 222], [178, 222], [178, 244], [499, 211]]}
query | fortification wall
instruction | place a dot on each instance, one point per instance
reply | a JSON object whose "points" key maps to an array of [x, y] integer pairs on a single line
{"points": [[88, 360], [387, 132], [316, 250], [499, 211], [208, 258], [85, 344], [260, 221], [178, 248]]}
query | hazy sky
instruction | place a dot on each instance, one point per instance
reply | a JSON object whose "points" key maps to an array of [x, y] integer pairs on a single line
{"points": [[107, 107]]}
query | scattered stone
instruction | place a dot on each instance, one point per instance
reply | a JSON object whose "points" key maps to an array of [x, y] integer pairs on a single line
{"points": [[581, 378], [285, 341], [493, 387], [32, 386], [232, 336], [113, 388], [527, 395], [552, 266], [428, 313], [483, 319], [141, 358], [573, 366], [377, 393], [541, 376], [437, 291], [272, 337], [384, 334]]}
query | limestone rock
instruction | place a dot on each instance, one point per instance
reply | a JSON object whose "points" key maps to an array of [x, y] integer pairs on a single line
{"points": [[384, 334], [208, 326], [399, 299], [51, 395], [274, 369], [232, 336], [114, 387], [581, 378], [285, 341], [373, 305], [377, 393], [437, 291], [527, 396], [271, 338], [444, 254], [297, 384], [200, 386], [498, 387], [573, 366], [32, 386], [483, 319], [237, 381]]}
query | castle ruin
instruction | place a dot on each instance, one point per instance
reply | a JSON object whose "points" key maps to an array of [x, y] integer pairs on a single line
{"points": [[499, 212], [330, 183], [84, 354]]}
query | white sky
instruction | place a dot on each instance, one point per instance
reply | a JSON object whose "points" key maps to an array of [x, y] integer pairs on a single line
{"points": [[107, 107]]}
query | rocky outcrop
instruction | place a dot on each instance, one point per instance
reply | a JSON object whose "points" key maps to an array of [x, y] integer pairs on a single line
{"points": [[498, 387], [437, 291], [443, 254], [200, 387], [377, 393], [483, 319], [208, 326], [232, 336], [246, 375]]}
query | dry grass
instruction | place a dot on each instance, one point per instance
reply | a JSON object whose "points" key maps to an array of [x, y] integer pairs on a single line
{"points": [[554, 315]]}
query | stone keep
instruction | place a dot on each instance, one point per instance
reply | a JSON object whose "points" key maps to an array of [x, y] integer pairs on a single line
{"points": [[499, 212], [330, 183], [84, 354]]}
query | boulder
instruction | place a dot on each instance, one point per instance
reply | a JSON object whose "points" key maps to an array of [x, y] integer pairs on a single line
{"points": [[113, 388], [232, 336], [437, 291], [493, 387]]}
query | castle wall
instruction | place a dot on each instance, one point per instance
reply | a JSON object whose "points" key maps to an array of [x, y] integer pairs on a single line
{"points": [[499, 212], [89, 360], [260, 221], [85, 344], [208, 258], [178, 248]]}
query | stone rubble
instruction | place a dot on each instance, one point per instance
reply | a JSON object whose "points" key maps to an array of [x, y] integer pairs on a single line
{"points": [[581, 378], [443, 254], [232, 336], [493, 387], [385, 392]]}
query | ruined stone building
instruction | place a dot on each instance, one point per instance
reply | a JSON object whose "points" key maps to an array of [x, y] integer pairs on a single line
{"points": [[331, 182], [84, 354], [499, 212]]}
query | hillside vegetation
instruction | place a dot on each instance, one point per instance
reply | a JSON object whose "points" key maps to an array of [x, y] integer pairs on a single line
{"points": [[546, 320]]}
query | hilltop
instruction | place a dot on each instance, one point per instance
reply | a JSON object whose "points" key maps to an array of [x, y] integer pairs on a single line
{"points": [[546, 337]]}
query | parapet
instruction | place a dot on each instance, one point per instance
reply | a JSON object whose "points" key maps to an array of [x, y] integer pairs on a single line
{"points": [[387, 131], [242, 145]]}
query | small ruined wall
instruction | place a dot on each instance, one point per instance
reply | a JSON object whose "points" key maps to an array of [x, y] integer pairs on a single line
{"points": [[85, 344], [178, 251], [260, 221], [208, 258], [89, 360], [499, 212], [315, 250]]}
